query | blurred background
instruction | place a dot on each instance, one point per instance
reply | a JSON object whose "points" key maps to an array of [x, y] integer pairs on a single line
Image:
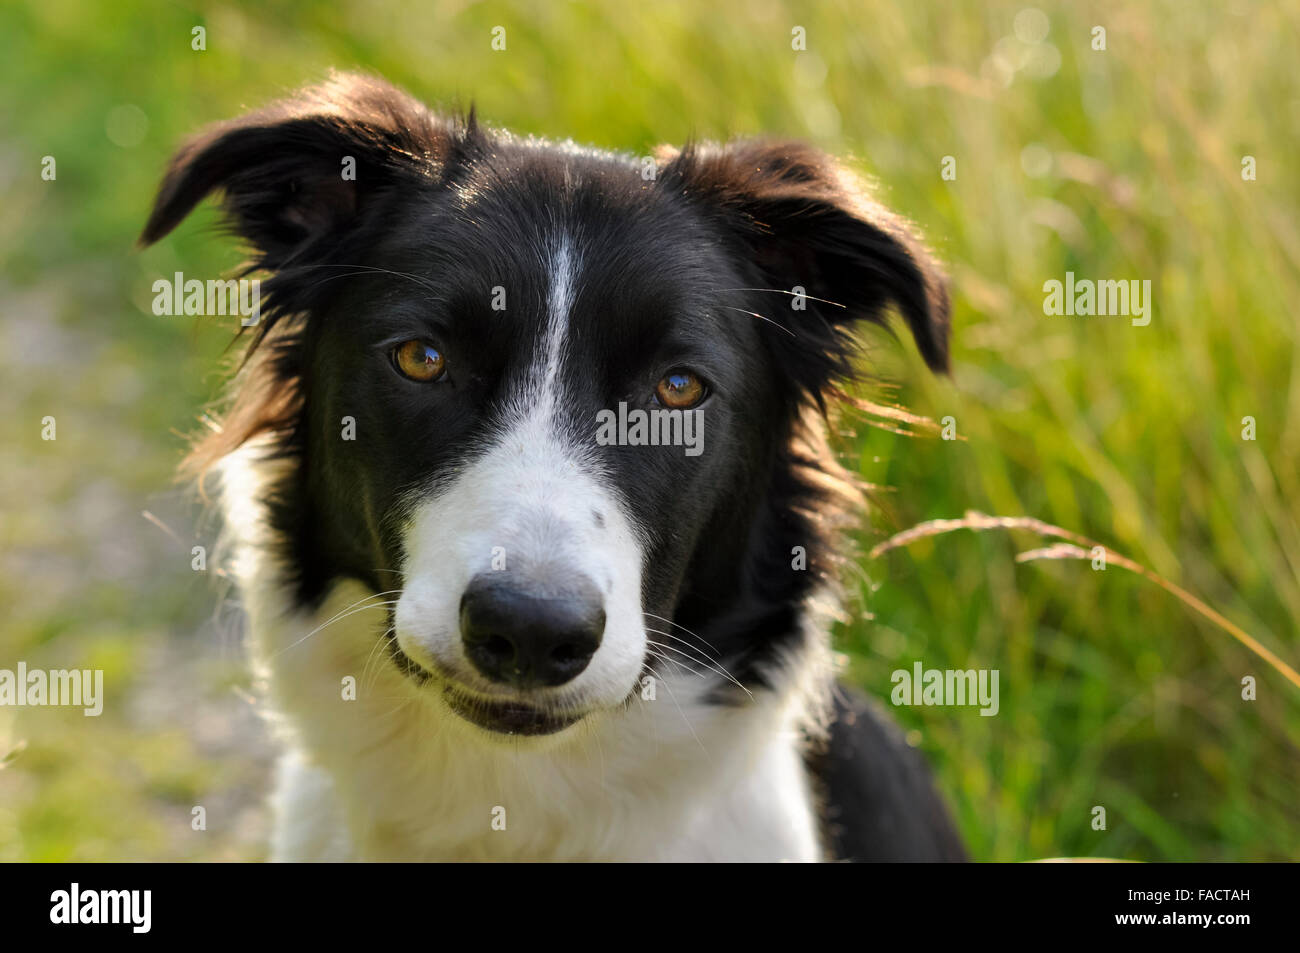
{"points": [[1119, 163]]}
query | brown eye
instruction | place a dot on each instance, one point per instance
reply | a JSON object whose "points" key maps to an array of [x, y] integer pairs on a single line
{"points": [[680, 390], [419, 361]]}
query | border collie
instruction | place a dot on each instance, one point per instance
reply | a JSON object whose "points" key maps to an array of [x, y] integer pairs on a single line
{"points": [[486, 633]]}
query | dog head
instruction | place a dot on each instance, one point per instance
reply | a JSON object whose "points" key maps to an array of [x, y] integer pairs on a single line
{"points": [[561, 395]]}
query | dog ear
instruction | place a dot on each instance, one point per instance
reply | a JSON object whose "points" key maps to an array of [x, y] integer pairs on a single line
{"points": [[804, 222], [303, 169]]}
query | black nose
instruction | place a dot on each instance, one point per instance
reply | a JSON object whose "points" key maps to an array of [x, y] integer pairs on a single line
{"points": [[526, 639]]}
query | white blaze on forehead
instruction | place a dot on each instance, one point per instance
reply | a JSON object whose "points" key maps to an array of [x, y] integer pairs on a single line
{"points": [[562, 269]]}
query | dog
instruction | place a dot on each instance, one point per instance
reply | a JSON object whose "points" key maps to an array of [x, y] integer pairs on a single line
{"points": [[493, 624]]}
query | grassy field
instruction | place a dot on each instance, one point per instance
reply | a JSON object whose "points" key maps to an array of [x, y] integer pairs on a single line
{"points": [[1117, 163]]}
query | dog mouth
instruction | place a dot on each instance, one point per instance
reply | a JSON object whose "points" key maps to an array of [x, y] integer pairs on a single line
{"points": [[508, 717], [511, 717]]}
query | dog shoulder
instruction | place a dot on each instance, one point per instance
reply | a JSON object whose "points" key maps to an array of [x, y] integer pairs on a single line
{"points": [[879, 802]]}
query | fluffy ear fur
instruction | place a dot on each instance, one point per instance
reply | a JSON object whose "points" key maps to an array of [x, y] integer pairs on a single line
{"points": [[805, 222], [300, 171], [304, 181]]}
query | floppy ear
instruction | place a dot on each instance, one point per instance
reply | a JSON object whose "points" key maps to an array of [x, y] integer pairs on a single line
{"points": [[804, 222], [303, 169], [299, 179]]}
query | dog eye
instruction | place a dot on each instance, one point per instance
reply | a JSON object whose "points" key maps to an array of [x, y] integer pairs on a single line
{"points": [[419, 361], [680, 390]]}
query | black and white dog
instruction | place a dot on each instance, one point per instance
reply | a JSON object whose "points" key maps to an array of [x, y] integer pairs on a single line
{"points": [[492, 624]]}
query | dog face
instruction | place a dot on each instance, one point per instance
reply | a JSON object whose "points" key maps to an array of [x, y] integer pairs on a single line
{"points": [[559, 395]]}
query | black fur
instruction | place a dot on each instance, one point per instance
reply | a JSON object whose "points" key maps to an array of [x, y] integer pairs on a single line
{"points": [[880, 804]]}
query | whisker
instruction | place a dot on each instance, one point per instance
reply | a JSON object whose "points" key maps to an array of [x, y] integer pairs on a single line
{"points": [[755, 314], [340, 616], [697, 653], [703, 655], [717, 669], [681, 666], [369, 669], [660, 657], [793, 294], [678, 625], [694, 660], [371, 269]]}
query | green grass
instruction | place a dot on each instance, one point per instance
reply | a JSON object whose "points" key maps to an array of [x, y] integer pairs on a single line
{"points": [[1112, 692]]}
